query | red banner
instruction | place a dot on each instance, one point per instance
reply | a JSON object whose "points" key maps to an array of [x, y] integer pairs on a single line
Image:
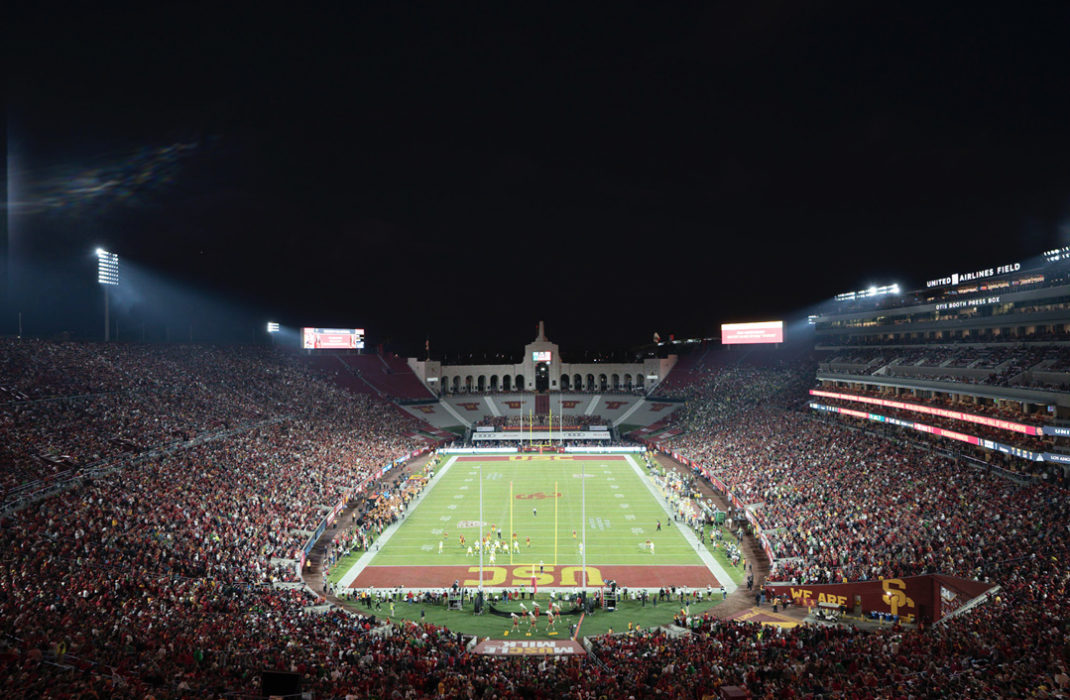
{"points": [[912, 599], [933, 411]]}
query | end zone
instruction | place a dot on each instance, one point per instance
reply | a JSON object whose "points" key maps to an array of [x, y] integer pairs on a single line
{"points": [[549, 577]]}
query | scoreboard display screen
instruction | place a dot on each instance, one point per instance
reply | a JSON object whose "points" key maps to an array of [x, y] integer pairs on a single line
{"points": [[541, 356], [332, 338], [761, 332]]}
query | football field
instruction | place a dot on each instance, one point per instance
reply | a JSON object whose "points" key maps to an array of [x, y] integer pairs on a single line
{"points": [[547, 502]]}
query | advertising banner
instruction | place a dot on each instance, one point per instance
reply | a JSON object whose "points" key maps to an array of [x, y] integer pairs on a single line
{"points": [[542, 647], [542, 435], [940, 432], [936, 411], [912, 598]]}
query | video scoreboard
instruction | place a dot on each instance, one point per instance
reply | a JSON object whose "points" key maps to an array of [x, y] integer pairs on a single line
{"points": [[332, 338], [761, 332]]}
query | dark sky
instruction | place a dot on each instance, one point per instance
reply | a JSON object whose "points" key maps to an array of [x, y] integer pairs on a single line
{"points": [[465, 173]]}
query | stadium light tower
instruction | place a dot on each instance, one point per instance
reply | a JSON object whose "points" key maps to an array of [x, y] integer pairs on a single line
{"points": [[482, 544], [107, 276]]}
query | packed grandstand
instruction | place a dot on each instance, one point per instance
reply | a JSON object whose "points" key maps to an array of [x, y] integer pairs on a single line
{"points": [[159, 501]]}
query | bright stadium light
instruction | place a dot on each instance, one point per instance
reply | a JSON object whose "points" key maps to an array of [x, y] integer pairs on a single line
{"points": [[272, 327], [872, 291], [107, 276], [107, 267], [1057, 254]]}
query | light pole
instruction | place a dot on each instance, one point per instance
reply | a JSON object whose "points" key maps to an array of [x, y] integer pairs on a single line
{"points": [[107, 276], [482, 544]]}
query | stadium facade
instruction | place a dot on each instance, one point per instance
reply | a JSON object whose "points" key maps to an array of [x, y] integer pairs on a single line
{"points": [[542, 370], [982, 351]]}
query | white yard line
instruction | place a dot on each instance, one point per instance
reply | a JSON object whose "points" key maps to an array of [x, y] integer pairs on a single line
{"points": [[712, 564], [366, 558]]}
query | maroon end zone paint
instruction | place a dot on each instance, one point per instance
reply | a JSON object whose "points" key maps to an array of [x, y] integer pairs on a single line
{"points": [[551, 576]]}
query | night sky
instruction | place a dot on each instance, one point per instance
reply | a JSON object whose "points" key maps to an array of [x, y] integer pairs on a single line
{"points": [[459, 174]]}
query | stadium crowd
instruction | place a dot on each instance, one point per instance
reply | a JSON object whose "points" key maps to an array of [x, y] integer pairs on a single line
{"points": [[1041, 366], [839, 505], [156, 577], [1008, 410], [1038, 443], [102, 404]]}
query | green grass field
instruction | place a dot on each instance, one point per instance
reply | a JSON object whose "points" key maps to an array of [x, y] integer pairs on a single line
{"points": [[541, 498], [519, 496]]}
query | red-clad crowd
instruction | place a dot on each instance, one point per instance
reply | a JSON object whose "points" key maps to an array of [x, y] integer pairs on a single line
{"points": [[156, 578], [100, 404]]}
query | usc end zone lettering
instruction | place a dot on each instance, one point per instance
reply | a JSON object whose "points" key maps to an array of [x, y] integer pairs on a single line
{"points": [[538, 495], [528, 458], [522, 575]]}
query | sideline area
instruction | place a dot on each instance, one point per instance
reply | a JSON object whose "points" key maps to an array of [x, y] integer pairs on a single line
{"points": [[704, 554], [347, 579]]}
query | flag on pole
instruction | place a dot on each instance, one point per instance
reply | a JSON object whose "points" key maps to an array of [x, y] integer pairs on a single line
{"points": [[657, 337]]}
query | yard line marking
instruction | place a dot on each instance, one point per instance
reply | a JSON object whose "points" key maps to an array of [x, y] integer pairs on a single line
{"points": [[362, 563], [712, 564]]}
